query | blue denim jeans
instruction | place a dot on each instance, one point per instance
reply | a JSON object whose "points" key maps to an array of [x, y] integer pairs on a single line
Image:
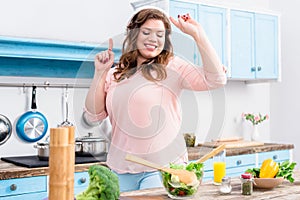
{"points": [[144, 180]]}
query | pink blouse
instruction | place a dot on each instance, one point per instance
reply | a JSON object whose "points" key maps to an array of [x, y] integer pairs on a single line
{"points": [[146, 116]]}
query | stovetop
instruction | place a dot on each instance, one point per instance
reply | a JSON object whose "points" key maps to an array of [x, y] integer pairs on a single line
{"points": [[33, 161]]}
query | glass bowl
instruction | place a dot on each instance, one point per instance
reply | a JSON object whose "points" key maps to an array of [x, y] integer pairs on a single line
{"points": [[178, 190]]}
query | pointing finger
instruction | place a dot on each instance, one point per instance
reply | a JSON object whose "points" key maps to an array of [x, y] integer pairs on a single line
{"points": [[110, 44]]}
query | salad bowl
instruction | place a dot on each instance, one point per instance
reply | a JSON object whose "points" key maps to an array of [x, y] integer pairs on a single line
{"points": [[179, 190]]}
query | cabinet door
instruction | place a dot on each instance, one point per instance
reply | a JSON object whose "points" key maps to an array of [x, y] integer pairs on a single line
{"points": [[20, 186], [266, 43], [242, 48], [213, 20], [184, 45], [278, 156]]}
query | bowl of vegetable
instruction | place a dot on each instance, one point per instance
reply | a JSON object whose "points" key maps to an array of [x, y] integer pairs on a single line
{"points": [[267, 183], [271, 174], [179, 190]]}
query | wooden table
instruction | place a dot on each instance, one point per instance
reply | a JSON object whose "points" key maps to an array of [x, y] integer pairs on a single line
{"points": [[208, 191]]}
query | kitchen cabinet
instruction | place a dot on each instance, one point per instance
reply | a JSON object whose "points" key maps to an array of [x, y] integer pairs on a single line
{"points": [[212, 19], [47, 59], [247, 42], [237, 164], [254, 45], [36, 187], [24, 188], [82, 180]]}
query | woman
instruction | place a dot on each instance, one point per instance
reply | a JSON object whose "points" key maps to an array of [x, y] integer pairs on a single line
{"points": [[140, 95]]}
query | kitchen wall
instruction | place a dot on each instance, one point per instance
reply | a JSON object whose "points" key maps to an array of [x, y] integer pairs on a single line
{"points": [[219, 112], [285, 96]]}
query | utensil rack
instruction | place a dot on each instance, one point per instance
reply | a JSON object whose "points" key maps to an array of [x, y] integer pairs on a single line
{"points": [[47, 84]]}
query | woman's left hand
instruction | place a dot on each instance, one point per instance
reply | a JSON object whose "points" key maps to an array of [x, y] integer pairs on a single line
{"points": [[188, 25]]}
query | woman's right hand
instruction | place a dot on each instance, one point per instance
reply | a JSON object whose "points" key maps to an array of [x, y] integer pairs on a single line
{"points": [[105, 59]]}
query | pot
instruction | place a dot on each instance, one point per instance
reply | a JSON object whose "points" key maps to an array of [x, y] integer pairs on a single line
{"points": [[5, 129], [90, 146], [43, 150]]}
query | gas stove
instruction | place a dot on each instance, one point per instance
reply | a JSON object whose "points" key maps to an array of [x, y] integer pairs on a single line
{"points": [[33, 161]]}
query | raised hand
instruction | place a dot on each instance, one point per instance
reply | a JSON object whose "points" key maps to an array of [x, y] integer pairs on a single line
{"points": [[105, 59], [187, 25]]}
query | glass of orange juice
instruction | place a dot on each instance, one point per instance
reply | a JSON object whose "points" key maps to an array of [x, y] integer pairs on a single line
{"points": [[219, 167]]}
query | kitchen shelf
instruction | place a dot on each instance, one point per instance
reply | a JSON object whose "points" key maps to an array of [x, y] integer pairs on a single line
{"points": [[48, 60]]}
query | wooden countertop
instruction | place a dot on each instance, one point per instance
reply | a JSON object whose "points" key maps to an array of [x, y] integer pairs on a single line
{"points": [[200, 150], [8, 170], [208, 191]]}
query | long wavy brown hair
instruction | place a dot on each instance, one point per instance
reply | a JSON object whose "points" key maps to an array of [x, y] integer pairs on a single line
{"points": [[127, 65]]}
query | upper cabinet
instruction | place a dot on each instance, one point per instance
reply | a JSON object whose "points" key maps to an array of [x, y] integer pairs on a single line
{"points": [[213, 20], [247, 42], [254, 45]]}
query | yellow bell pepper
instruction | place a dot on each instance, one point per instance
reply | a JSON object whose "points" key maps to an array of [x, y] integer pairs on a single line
{"points": [[268, 169]]}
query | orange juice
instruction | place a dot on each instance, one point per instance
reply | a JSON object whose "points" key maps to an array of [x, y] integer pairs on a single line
{"points": [[219, 171]]}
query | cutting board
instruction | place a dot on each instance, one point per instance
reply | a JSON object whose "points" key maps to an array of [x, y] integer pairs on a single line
{"points": [[233, 143]]}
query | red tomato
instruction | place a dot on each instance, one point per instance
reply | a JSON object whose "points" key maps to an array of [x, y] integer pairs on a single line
{"points": [[181, 193]]}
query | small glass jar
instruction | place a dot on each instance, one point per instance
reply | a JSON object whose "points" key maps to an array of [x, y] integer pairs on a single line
{"points": [[225, 187], [246, 184]]}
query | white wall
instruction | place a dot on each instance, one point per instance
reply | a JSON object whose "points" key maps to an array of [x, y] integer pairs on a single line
{"points": [[95, 21], [285, 96]]}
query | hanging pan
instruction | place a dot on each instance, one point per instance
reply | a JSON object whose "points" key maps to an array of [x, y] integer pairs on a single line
{"points": [[5, 129], [32, 125]]}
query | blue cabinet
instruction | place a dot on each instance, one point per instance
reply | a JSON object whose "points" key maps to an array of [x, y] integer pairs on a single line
{"points": [[36, 187], [24, 188], [254, 45], [214, 22], [212, 19], [184, 46], [236, 165]]}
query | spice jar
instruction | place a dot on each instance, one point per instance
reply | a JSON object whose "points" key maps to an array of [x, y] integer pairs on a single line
{"points": [[246, 184], [225, 187]]}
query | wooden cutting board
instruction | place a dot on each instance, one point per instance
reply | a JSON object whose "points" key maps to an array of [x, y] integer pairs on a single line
{"points": [[233, 144]]}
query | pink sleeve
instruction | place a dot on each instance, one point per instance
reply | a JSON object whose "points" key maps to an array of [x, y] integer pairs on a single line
{"points": [[100, 116], [196, 78]]}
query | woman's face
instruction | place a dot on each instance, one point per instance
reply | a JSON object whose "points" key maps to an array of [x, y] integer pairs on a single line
{"points": [[151, 39]]}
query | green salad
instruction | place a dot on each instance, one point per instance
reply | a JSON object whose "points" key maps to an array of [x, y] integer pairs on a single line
{"points": [[176, 188]]}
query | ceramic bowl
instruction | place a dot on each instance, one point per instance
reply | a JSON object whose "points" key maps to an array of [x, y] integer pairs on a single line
{"points": [[267, 183]]}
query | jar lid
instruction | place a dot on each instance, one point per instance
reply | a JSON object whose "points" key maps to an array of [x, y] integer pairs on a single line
{"points": [[226, 179], [246, 176]]}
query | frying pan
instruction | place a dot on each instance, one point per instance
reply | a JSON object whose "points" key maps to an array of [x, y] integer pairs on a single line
{"points": [[5, 129], [32, 125]]}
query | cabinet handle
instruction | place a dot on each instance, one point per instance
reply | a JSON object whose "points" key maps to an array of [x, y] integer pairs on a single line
{"points": [[238, 162], [253, 69], [275, 157], [82, 180], [13, 187], [259, 68]]}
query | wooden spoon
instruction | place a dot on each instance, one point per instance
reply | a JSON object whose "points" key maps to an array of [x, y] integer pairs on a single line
{"points": [[184, 176], [212, 153]]}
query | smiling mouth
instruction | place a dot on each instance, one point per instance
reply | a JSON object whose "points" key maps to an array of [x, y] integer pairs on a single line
{"points": [[150, 47]]}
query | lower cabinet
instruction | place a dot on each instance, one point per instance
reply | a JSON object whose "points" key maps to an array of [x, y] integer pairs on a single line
{"points": [[236, 165], [36, 187], [24, 188], [81, 182]]}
